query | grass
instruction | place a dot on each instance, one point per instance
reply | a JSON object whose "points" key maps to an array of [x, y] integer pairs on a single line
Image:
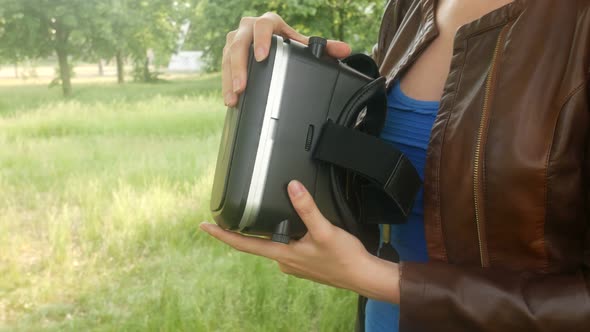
{"points": [[100, 200]]}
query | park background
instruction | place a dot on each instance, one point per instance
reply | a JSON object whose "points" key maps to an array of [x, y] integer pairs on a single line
{"points": [[106, 164]]}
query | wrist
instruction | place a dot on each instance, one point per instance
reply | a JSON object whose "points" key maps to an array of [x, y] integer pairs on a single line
{"points": [[378, 279]]}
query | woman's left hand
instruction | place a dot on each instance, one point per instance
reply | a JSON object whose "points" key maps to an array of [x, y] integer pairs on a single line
{"points": [[326, 254]]}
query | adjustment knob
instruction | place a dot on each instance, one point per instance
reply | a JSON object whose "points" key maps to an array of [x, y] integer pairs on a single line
{"points": [[317, 45], [281, 233]]}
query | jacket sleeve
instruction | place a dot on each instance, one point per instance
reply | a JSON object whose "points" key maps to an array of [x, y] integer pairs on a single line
{"points": [[441, 297]]}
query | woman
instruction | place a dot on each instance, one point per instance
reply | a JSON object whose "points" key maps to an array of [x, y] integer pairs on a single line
{"points": [[506, 177]]}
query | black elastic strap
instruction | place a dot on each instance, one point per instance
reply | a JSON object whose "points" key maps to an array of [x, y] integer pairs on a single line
{"points": [[374, 159], [375, 205]]}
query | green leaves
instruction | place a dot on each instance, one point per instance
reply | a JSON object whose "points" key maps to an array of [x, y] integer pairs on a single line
{"points": [[89, 30], [354, 21], [101, 29]]}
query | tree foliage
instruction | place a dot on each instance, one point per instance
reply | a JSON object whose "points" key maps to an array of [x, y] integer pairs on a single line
{"points": [[90, 30], [353, 21], [126, 29], [135, 26], [39, 28]]}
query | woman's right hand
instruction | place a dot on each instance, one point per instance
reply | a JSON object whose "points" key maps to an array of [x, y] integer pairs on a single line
{"points": [[260, 30]]}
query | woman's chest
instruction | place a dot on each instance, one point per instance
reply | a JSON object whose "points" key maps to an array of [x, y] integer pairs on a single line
{"points": [[426, 77]]}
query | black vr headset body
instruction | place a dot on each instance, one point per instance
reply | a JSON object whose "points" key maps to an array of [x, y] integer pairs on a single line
{"points": [[310, 117]]}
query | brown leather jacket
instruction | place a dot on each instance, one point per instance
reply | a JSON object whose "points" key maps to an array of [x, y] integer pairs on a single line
{"points": [[507, 180]]}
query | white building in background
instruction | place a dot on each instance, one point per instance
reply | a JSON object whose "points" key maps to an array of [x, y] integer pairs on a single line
{"points": [[185, 61]]}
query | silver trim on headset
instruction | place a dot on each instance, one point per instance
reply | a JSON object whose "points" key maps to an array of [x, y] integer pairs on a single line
{"points": [[266, 141]]}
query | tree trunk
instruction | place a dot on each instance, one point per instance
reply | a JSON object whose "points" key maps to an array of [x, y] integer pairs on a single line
{"points": [[120, 68], [333, 26], [341, 14], [61, 49], [100, 68], [64, 71], [146, 70]]}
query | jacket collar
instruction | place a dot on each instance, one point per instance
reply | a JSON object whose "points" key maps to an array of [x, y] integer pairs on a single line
{"points": [[489, 21], [395, 62]]}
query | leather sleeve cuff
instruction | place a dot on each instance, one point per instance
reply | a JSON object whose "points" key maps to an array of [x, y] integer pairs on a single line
{"points": [[439, 297], [442, 297]]}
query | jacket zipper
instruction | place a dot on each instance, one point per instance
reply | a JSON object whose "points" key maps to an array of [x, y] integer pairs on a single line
{"points": [[477, 164]]}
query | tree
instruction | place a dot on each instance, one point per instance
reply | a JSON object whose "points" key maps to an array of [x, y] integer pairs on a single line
{"points": [[39, 28], [108, 36], [155, 26], [132, 27], [90, 30], [8, 54], [353, 21]]}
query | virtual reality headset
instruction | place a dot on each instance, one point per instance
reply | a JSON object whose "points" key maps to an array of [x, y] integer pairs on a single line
{"points": [[310, 117]]}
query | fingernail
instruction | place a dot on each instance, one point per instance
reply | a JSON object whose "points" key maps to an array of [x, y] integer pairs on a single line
{"points": [[295, 188], [237, 85], [259, 54]]}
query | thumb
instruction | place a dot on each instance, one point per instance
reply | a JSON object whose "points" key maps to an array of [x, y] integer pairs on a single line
{"points": [[335, 48], [307, 209], [338, 49]]}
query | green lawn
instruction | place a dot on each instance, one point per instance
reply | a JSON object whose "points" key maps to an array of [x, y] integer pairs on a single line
{"points": [[100, 200]]}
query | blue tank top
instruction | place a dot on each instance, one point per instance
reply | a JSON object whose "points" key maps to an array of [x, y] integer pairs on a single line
{"points": [[407, 127]]}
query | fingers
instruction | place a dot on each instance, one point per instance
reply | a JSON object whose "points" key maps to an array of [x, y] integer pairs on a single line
{"points": [[239, 49], [334, 48], [258, 30], [235, 61], [318, 226], [338, 49], [229, 97], [265, 26], [251, 245], [287, 31], [235, 53], [263, 30]]}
